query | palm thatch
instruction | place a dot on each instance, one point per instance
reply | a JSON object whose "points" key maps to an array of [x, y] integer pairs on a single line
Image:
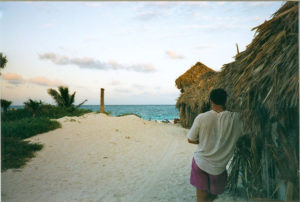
{"points": [[265, 82], [263, 85], [195, 99], [192, 75]]}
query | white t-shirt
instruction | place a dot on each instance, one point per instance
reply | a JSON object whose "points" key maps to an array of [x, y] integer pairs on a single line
{"points": [[217, 134]]}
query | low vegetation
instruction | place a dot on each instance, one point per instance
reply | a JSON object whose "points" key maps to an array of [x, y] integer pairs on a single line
{"points": [[19, 124], [127, 114]]}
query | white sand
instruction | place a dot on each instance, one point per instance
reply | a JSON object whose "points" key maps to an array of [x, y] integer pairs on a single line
{"points": [[100, 158]]}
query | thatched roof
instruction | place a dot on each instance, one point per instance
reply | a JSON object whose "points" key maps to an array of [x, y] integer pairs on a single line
{"points": [[196, 97], [266, 73], [192, 75]]}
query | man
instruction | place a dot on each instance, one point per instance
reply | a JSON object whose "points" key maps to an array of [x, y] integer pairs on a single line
{"points": [[215, 132]]}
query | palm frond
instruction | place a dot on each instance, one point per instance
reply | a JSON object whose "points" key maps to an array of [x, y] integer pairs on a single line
{"points": [[56, 96]]}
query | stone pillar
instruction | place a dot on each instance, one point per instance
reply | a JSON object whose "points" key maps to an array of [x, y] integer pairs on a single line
{"points": [[102, 101]]}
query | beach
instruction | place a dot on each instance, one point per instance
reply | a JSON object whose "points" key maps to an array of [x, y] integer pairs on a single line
{"points": [[96, 157]]}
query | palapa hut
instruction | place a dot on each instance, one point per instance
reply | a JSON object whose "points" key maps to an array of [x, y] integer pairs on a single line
{"points": [[194, 99], [192, 76], [264, 85], [191, 83]]}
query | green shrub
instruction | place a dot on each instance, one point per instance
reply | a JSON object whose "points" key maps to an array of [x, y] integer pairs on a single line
{"points": [[45, 110], [28, 127], [12, 115], [19, 124], [15, 152]]}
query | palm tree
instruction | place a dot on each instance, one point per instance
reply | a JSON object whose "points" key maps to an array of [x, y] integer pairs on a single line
{"points": [[33, 106], [3, 61], [5, 104], [63, 98]]}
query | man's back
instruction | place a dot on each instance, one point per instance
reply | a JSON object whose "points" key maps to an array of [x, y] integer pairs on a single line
{"points": [[217, 134]]}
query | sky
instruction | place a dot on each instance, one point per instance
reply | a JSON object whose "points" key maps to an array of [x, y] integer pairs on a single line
{"points": [[134, 50]]}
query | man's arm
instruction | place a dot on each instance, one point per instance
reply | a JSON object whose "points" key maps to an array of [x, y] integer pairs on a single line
{"points": [[193, 134]]}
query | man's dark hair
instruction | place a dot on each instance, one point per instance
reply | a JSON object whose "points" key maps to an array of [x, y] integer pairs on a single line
{"points": [[218, 96]]}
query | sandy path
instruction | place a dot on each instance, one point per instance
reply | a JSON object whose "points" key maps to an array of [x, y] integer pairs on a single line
{"points": [[100, 158]]}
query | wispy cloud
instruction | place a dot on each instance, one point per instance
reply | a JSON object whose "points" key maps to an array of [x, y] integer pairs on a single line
{"points": [[13, 78], [154, 5], [173, 55], [204, 46], [43, 81], [138, 86], [259, 4], [93, 4], [90, 63], [148, 15], [219, 25], [122, 90], [198, 3], [17, 79], [115, 83]]}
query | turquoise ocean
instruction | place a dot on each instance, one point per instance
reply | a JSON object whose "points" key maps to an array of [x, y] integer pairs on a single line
{"points": [[153, 112]]}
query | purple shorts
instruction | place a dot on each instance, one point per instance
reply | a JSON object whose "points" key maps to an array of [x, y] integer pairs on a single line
{"points": [[214, 184]]}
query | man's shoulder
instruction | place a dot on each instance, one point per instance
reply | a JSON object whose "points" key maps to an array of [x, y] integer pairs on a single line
{"points": [[203, 115]]}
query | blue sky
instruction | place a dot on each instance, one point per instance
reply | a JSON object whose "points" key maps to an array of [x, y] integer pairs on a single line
{"points": [[135, 50]]}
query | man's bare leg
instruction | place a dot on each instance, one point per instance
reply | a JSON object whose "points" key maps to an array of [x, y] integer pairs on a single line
{"points": [[201, 195], [204, 196]]}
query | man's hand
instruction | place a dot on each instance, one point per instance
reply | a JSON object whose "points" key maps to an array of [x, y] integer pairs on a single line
{"points": [[193, 142]]}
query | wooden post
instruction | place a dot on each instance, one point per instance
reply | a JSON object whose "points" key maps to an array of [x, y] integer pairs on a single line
{"points": [[237, 49], [102, 101]]}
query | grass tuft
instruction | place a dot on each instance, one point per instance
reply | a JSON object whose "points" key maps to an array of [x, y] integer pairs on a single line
{"points": [[16, 152]]}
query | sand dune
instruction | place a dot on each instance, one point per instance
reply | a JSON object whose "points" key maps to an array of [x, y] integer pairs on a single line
{"points": [[100, 158]]}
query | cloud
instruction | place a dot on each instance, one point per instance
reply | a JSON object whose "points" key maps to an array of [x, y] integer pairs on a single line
{"points": [[173, 55], [204, 46], [13, 78], [115, 83], [93, 4], [122, 90], [214, 26], [198, 3], [90, 63], [146, 16], [43, 81], [17, 79], [154, 5], [138, 86], [259, 4]]}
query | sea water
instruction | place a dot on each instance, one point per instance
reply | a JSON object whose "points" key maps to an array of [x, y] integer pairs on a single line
{"points": [[147, 112], [153, 112]]}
